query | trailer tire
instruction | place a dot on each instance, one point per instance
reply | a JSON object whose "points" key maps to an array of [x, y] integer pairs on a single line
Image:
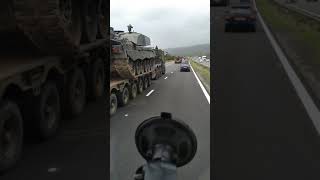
{"points": [[140, 86], [163, 69], [133, 92], [10, 115], [47, 112], [149, 80], [113, 104], [157, 73], [123, 96], [76, 92], [97, 84], [145, 82]]}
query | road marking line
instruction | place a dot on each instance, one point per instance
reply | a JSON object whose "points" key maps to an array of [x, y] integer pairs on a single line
{"points": [[165, 77], [51, 170], [171, 72], [126, 115], [201, 85], [150, 92], [306, 11], [302, 93]]}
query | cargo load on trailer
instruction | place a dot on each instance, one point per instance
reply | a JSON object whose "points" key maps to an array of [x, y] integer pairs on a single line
{"points": [[132, 67]]}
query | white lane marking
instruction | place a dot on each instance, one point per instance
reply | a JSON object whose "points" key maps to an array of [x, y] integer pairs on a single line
{"points": [[171, 72], [126, 115], [150, 92], [303, 94], [165, 77], [201, 85], [52, 170], [306, 11]]}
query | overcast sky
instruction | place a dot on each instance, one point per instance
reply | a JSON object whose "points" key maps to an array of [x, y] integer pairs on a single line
{"points": [[169, 23]]}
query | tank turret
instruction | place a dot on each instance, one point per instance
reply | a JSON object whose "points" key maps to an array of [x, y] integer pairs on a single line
{"points": [[135, 58]]}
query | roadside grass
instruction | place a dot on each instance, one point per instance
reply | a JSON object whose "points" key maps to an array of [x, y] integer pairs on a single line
{"points": [[202, 71], [280, 20]]}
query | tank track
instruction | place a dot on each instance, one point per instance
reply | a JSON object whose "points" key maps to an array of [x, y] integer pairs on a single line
{"points": [[131, 69], [44, 25]]}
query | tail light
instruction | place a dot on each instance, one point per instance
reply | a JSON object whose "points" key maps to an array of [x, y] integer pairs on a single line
{"points": [[116, 49], [252, 17]]}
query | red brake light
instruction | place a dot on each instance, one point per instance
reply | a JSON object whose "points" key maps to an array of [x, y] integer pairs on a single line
{"points": [[115, 50], [253, 17]]}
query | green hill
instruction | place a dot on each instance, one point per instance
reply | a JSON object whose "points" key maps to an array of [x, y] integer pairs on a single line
{"points": [[196, 50]]}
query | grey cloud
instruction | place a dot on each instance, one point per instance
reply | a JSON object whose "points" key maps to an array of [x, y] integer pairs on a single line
{"points": [[168, 27]]}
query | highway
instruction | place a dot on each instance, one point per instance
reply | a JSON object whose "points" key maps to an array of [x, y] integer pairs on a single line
{"points": [[206, 63], [312, 7], [178, 93], [79, 151], [261, 129]]}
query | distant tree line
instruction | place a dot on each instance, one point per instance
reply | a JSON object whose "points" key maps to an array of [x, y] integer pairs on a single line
{"points": [[169, 57]]}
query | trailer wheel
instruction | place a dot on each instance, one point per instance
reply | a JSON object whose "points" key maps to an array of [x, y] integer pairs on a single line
{"points": [[145, 82], [149, 81], [90, 20], [157, 73], [140, 86], [140, 67], [163, 69], [97, 83], [47, 112], [76, 92], [133, 92], [123, 96], [11, 135], [113, 104]]}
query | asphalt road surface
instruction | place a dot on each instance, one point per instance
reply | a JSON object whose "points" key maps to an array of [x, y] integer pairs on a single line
{"points": [[261, 128], [178, 93], [78, 152], [313, 7]]}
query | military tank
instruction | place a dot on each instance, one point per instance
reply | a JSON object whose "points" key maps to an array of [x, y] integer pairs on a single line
{"points": [[130, 57], [53, 26]]}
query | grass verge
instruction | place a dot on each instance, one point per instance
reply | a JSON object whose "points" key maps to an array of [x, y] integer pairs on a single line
{"points": [[296, 27], [299, 37], [203, 72]]}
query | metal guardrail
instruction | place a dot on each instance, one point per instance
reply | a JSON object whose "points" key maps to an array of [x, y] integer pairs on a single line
{"points": [[310, 15]]}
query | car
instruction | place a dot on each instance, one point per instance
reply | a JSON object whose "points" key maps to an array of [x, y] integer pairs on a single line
{"points": [[178, 61], [219, 2], [185, 67], [240, 17]]}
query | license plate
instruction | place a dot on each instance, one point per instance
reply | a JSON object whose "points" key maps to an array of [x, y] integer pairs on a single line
{"points": [[240, 19]]}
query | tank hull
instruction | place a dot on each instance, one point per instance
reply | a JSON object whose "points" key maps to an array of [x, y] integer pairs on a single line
{"points": [[53, 27]]}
